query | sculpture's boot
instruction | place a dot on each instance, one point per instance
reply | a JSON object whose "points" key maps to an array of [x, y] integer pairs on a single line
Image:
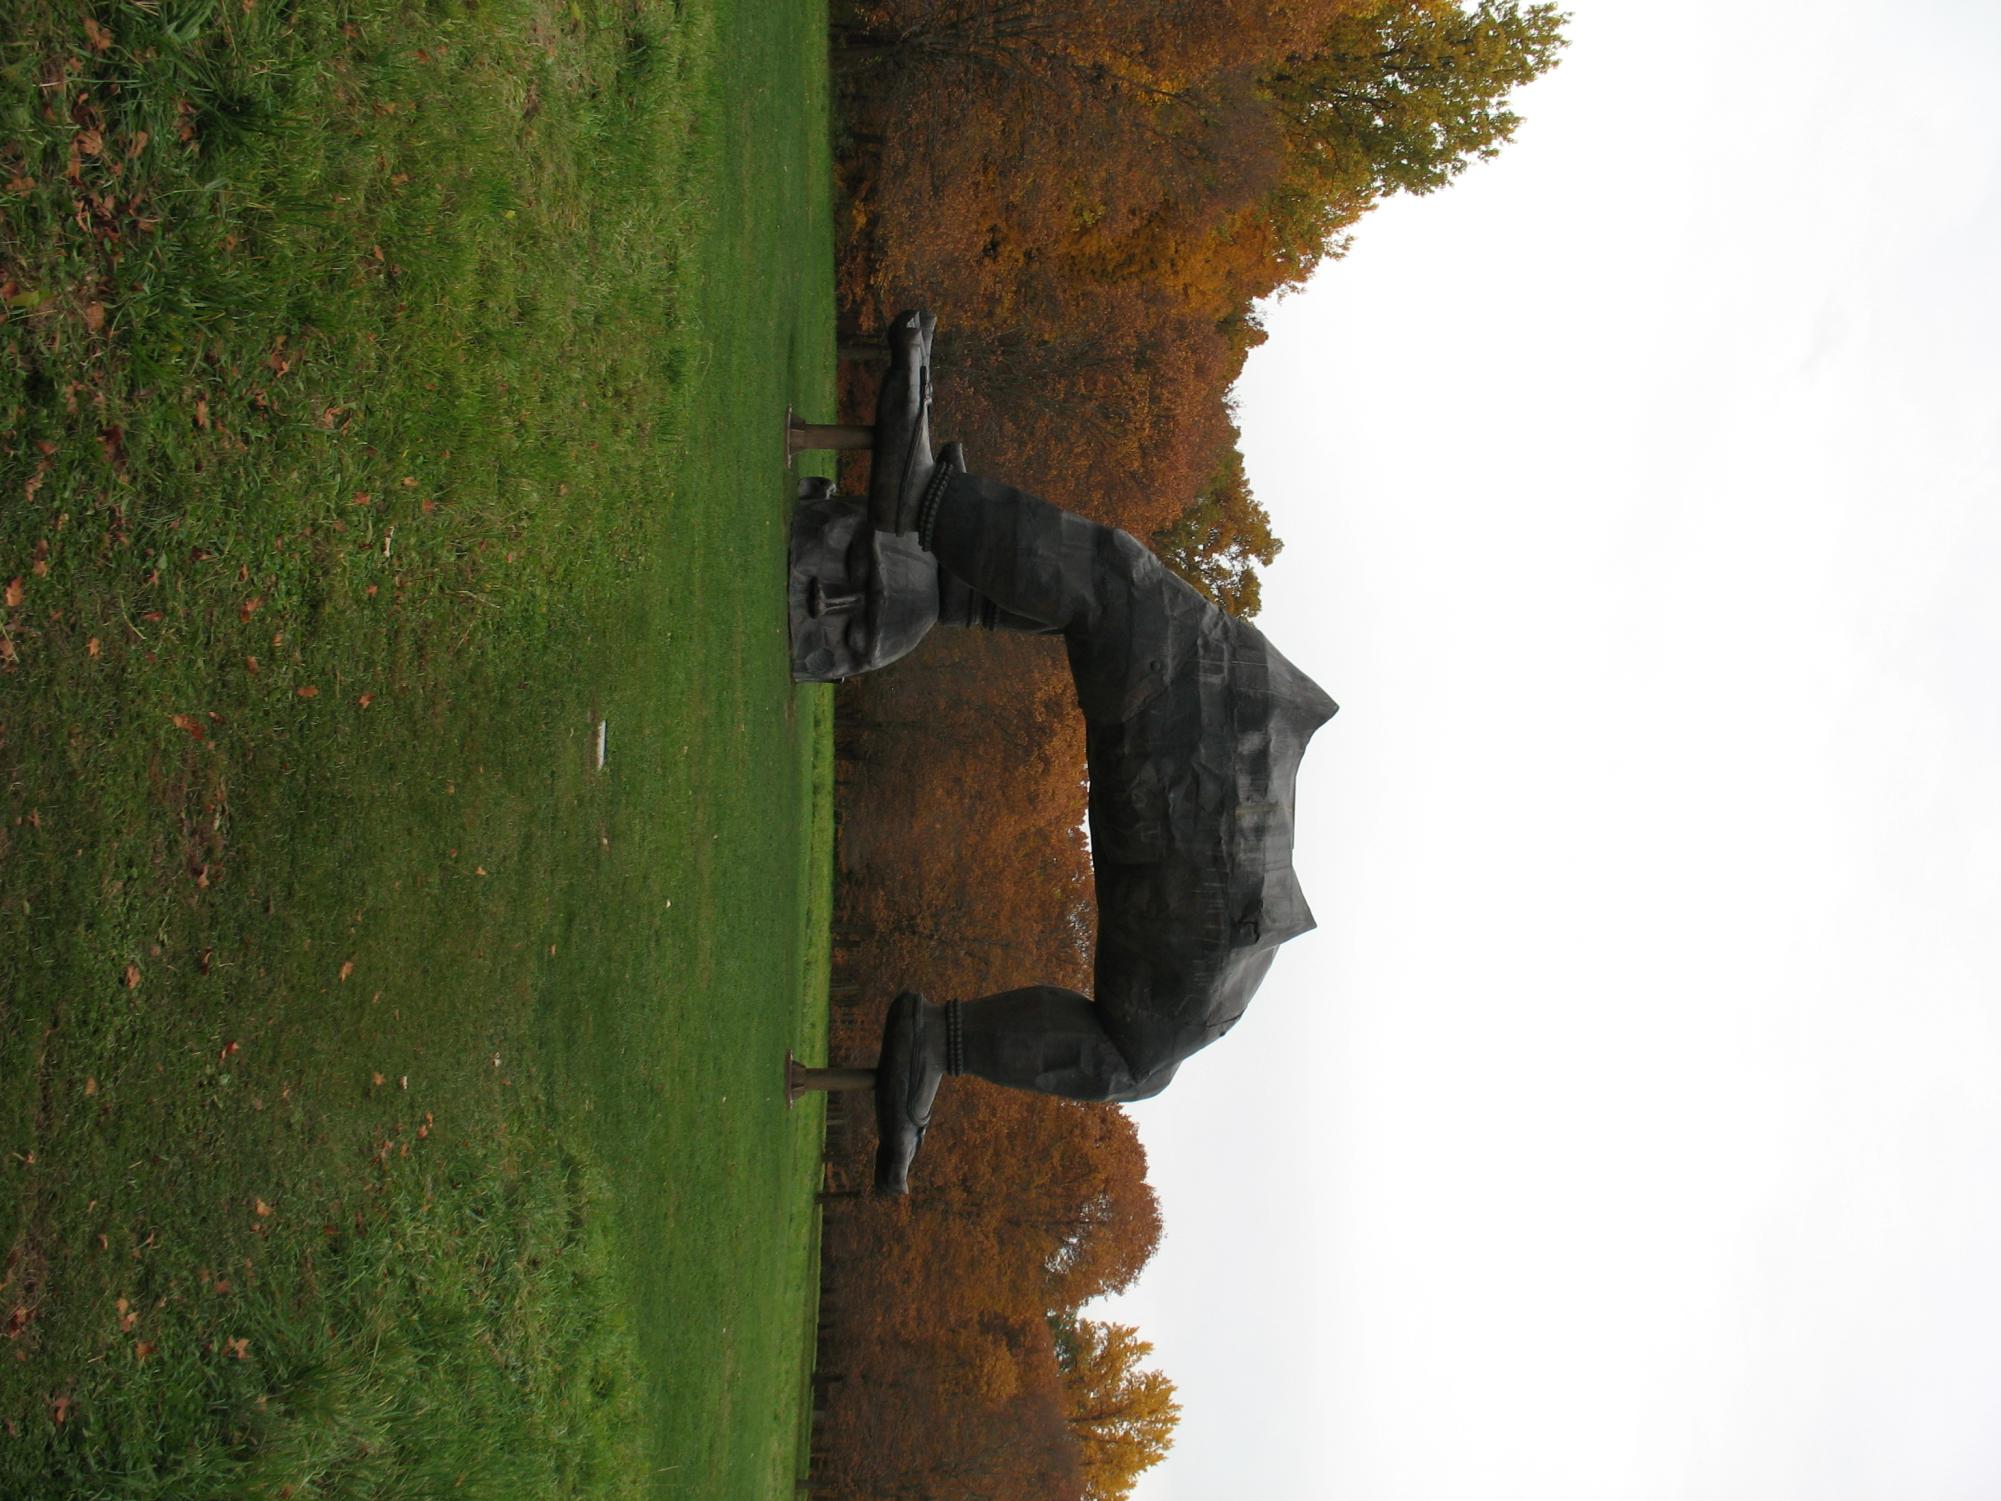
{"points": [[907, 1074], [901, 466]]}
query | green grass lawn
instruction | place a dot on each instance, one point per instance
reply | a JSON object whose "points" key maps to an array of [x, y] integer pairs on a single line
{"points": [[389, 1096]]}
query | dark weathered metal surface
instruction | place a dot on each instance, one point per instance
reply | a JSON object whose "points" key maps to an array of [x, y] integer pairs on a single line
{"points": [[1194, 729]]}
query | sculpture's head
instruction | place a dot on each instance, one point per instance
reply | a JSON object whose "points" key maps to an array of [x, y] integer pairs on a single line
{"points": [[859, 598]]}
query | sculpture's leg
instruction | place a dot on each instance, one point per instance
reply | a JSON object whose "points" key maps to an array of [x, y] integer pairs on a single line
{"points": [[961, 605], [1048, 1040], [1031, 558]]}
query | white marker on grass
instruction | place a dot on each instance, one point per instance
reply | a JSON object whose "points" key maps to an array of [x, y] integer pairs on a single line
{"points": [[601, 725]]}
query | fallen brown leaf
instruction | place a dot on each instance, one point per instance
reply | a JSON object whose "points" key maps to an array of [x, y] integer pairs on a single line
{"points": [[15, 592], [250, 607], [365, 700], [263, 1209], [192, 725], [93, 646], [346, 970], [93, 317], [141, 1348], [131, 977], [96, 35], [309, 691]]}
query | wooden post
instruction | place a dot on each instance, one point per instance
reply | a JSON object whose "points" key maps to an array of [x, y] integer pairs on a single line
{"points": [[800, 1079], [838, 436]]}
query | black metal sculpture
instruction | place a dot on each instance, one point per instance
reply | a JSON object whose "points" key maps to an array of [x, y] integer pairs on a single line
{"points": [[1194, 729]]}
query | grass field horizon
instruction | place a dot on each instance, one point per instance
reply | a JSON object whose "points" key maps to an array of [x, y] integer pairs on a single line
{"points": [[392, 1095]]}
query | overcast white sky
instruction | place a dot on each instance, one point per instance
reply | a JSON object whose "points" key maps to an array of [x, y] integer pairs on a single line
{"points": [[1631, 1128]]}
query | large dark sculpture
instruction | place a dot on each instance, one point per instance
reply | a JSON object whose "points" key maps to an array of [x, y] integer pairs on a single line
{"points": [[1194, 728]]}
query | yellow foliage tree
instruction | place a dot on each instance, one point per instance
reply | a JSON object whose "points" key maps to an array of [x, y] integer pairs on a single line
{"points": [[1122, 1416]]}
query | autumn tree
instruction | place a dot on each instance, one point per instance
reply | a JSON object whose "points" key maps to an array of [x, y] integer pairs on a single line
{"points": [[1123, 1416], [1398, 97], [1220, 540]]}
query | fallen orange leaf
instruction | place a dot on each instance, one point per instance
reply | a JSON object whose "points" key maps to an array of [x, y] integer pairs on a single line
{"points": [[309, 691], [131, 977], [15, 593], [346, 970], [192, 725]]}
